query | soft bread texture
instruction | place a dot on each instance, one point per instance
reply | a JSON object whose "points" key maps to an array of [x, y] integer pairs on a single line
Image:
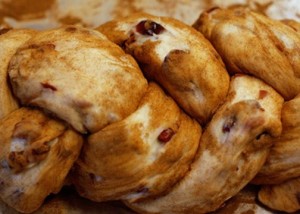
{"points": [[283, 197], [35, 157], [233, 148], [251, 43], [179, 58], [283, 162], [10, 40], [78, 75], [141, 156]]}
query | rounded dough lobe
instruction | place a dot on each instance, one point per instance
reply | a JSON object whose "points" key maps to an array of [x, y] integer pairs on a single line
{"points": [[79, 75], [10, 40], [283, 162], [141, 156], [35, 157], [178, 57], [283, 197], [252, 43], [233, 148]]}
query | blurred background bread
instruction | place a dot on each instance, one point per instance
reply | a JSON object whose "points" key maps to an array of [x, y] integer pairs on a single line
{"points": [[92, 13]]}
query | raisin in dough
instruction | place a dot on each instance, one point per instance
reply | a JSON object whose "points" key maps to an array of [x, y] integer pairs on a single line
{"points": [[251, 43], [140, 156], [10, 40], [233, 148], [283, 162], [176, 56], [35, 157], [79, 75]]}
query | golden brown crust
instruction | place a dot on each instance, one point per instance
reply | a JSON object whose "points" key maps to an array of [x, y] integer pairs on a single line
{"points": [[179, 58], [282, 197], [141, 156], [79, 75], [283, 162], [293, 24], [10, 40], [232, 149], [251, 43], [244, 202], [28, 171]]}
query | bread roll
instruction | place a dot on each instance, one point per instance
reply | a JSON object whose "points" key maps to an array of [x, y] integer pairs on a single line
{"points": [[252, 43], [36, 155], [78, 75], [179, 58], [10, 40]]}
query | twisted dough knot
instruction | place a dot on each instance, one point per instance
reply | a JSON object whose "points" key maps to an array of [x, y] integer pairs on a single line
{"points": [[175, 56], [140, 146], [25, 147], [78, 79], [37, 153]]}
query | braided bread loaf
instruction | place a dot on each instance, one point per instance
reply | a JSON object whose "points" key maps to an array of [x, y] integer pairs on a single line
{"points": [[162, 125]]}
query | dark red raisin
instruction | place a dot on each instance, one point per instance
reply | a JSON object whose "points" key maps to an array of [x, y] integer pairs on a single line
{"points": [[262, 94], [229, 123], [166, 135], [48, 86], [148, 27]]}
